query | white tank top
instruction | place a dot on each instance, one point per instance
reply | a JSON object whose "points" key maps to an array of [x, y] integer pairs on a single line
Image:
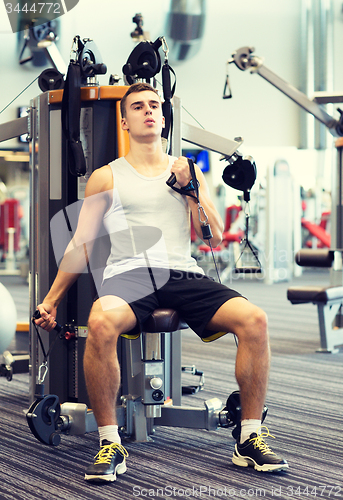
{"points": [[148, 223]]}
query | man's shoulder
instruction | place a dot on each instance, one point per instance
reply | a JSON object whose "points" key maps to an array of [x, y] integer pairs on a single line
{"points": [[102, 172], [100, 180], [106, 169]]}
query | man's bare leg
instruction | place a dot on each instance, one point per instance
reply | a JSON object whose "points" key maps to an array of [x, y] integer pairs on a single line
{"points": [[109, 317], [249, 323]]}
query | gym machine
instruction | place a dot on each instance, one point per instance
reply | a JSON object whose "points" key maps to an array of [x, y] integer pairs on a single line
{"points": [[151, 364], [329, 300]]}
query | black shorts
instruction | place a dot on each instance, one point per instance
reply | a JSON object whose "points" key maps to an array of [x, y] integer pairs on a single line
{"points": [[195, 296]]}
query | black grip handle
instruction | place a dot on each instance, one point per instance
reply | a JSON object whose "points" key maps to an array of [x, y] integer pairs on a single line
{"points": [[171, 181], [36, 315]]}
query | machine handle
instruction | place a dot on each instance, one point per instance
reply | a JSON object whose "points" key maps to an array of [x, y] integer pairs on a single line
{"points": [[36, 315], [171, 181]]}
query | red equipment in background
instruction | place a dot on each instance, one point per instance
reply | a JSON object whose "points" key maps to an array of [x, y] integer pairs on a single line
{"points": [[10, 215], [232, 213], [318, 231]]}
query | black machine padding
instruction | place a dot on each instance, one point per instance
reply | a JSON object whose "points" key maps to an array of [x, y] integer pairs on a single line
{"points": [[320, 257], [315, 294]]}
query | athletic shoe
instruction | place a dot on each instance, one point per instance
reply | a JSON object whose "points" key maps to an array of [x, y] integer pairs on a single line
{"points": [[256, 453], [109, 462]]}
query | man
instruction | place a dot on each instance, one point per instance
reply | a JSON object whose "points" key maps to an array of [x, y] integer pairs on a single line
{"points": [[153, 268]]}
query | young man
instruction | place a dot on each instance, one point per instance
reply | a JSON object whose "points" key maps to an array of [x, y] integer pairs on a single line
{"points": [[150, 266]]}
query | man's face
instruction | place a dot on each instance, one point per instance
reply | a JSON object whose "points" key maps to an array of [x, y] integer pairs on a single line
{"points": [[143, 115]]}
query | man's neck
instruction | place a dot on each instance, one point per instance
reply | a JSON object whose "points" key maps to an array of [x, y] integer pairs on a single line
{"points": [[147, 158]]}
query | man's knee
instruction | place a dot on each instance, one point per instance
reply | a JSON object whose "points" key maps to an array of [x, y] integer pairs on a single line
{"points": [[103, 328], [255, 326]]}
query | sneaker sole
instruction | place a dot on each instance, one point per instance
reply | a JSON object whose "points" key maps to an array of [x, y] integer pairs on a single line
{"points": [[249, 462], [107, 478]]}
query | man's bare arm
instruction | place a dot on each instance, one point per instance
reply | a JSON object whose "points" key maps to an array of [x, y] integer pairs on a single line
{"points": [[96, 203]]}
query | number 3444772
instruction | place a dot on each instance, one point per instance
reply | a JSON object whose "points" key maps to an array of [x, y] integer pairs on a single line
{"points": [[35, 8]]}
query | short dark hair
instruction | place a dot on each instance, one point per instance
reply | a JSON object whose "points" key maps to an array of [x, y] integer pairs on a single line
{"points": [[135, 87]]}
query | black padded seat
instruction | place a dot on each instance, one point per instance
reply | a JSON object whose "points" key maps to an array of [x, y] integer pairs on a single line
{"points": [[164, 320], [315, 294]]}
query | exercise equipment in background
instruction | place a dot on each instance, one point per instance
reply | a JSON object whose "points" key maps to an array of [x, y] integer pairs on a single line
{"points": [[328, 299], [10, 215], [318, 231], [244, 59], [241, 174], [185, 26]]}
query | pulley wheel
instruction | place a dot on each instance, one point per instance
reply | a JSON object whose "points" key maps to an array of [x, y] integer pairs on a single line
{"points": [[50, 79], [42, 419]]}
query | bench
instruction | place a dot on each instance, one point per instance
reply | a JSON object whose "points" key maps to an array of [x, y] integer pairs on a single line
{"points": [[329, 300]]}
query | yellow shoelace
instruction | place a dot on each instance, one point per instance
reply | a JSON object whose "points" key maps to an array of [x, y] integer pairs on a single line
{"points": [[106, 453], [259, 442]]}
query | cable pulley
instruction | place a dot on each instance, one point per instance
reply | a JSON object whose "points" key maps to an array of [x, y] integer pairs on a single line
{"points": [[240, 173], [50, 79], [144, 62], [85, 63]]}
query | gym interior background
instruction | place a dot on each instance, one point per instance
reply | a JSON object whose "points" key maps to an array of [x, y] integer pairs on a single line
{"points": [[300, 42]]}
